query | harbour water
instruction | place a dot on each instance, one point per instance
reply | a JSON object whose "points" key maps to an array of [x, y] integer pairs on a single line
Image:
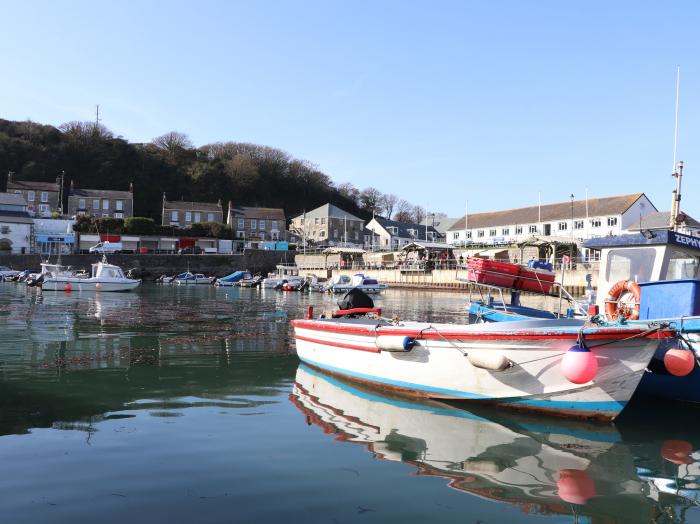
{"points": [[188, 404]]}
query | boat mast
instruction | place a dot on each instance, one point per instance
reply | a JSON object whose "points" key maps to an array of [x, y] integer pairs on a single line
{"points": [[677, 166]]}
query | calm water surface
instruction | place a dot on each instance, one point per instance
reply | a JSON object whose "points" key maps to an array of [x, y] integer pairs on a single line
{"points": [[188, 404]]}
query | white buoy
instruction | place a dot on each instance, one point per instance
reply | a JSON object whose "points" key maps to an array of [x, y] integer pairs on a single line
{"points": [[489, 359], [395, 343]]}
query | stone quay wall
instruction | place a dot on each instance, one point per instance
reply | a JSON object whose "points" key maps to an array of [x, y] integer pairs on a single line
{"points": [[151, 266]]}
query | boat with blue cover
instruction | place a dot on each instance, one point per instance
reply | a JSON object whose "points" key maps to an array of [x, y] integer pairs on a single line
{"points": [[233, 278]]}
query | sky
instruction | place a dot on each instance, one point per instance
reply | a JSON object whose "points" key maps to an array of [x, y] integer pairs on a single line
{"points": [[451, 105]]}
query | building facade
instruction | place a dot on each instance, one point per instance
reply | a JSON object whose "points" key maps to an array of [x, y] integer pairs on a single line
{"points": [[100, 202], [53, 236], [183, 214], [329, 225], [257, 223], [16, 226], [576, 219], [394, 235], [43, 198]]}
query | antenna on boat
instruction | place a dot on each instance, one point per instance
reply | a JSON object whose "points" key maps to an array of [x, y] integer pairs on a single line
{"points": [[677, 166]]}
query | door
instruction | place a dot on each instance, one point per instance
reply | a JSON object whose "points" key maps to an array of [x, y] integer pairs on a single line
{"points": [[547, 229]]}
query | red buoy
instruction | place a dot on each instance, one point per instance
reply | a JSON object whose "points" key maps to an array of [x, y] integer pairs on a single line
{"points": [[679, 362], [579, 365], [677, 451], [67, 287], [575, 486]]}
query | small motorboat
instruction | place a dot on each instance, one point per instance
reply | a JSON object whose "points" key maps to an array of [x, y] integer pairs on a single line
{"points": [[104, 278], [192, 278], [6, 274], [283, 273], [253, 281], [294, 284], [344, 283], [232, 279], [565, 367]]}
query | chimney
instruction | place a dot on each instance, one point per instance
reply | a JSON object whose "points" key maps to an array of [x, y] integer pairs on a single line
{"points": [[164, 197], [219, 203], [131, 188], [9, 176], [72, 186]]}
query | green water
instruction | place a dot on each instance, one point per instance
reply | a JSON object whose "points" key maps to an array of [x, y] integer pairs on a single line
{"points": [[188, 404]]}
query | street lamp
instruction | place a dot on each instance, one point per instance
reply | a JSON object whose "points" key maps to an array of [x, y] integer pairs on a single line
{"points": [[572, 215]]}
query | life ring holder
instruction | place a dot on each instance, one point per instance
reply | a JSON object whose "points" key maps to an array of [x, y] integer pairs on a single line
{"points": [[614, 308]]}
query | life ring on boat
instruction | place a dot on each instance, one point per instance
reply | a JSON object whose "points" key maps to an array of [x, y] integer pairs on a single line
{"points": [[615, 308]]}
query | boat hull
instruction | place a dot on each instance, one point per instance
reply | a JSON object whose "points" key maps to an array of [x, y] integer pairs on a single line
{"points": [[438, 368], [88, 285], [370, 290]]}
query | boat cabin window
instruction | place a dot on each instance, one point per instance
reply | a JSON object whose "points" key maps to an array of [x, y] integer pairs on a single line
{"points": [[632, 264], [681, 264], [111, 272]]}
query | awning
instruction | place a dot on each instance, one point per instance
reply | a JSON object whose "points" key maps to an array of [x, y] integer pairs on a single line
{"points": [[419, 246], [343, 250]]}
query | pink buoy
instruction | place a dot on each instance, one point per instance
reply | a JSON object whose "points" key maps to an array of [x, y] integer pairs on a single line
{"points": [[575, 486], [579, 365], [679, 362], [98, 285]]}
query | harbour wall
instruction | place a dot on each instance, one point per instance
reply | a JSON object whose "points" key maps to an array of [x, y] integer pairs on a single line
{"points": [[574, 279], [151, 266]]}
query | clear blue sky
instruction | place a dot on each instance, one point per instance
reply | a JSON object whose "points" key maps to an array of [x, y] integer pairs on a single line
{"points": [[438, 102]]}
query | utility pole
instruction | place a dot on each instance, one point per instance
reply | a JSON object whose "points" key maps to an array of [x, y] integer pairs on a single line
{"points": [[60, 192]]}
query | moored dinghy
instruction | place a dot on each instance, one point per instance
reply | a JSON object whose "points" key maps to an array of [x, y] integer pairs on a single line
{"points": [[560, 367]]}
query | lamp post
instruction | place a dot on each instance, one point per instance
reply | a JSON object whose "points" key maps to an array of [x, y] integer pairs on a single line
{"points": [[572, 228]]}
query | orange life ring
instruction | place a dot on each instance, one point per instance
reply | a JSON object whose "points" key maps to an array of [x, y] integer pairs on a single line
{"points": [[615, 309]]}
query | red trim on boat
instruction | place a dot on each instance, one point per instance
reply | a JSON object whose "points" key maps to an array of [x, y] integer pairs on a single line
{"points": [[353, 329], [338, 344]]}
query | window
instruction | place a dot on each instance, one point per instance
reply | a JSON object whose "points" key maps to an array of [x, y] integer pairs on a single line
{"points": [[412, 233], [81, 203], [681, 265], [262, 225], [323, 220], [262, 235], [357, 235], [240, 234], [30, 196], [44, 196], [316, 220], [563, 226], [480, 233], [630, 264], [106, 215], [595, 222], [44, 208], [612, 221], [578, 224], [455, 236], [492, 232], [210, 217], [469, 234], [119, 205], [518, 230], [118, 215], [253, 223], [241, 223], [188, 216], [532, 229], [505, 231], [95, 204], [105, 205], [335, 233], [173, 216], [274, 225], [322, 233]]}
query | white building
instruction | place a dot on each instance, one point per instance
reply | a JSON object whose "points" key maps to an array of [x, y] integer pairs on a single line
{"points": [[577, 219], [15, 224], [394, 235], [329, 225]]}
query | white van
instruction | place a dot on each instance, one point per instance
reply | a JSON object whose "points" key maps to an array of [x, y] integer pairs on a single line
{"points": [[106, 247]]}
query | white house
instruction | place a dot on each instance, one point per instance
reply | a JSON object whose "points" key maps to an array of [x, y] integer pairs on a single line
{"points": [[15, 224], [577, 219], [394, 235], [329, 225]]}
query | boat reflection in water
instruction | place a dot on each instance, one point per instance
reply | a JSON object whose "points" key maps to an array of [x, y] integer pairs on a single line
{"points": [[542, 465]]}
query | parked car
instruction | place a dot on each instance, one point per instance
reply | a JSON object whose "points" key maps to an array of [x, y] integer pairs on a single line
{"points": [[191, 250], [106, 247]]}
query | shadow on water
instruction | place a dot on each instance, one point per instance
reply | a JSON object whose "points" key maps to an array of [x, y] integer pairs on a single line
{"points": [[642, 469]]}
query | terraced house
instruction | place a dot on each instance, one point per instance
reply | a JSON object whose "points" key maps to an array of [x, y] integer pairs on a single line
{"points": [[43, 198], [101, 202], [183, 214], [256, 223], [329, 225]]}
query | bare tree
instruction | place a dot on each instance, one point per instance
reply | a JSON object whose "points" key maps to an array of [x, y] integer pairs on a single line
{"points": [[418, 214], [369, 200], [172, 142], [85, 131], [349, 191], [404, 211], [388, 203]]}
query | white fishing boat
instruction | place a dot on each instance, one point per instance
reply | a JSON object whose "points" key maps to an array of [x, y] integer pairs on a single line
{"points": [[283, 274], [554, 366], [192, 278], [104, 278], [344, 283]]}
